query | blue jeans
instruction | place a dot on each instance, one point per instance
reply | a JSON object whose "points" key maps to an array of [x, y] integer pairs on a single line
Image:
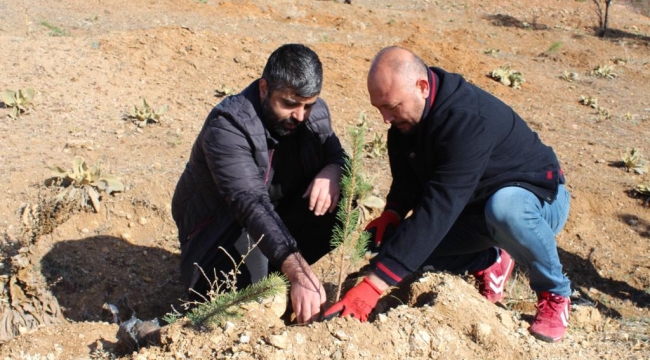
{"points": [[516, 220]]}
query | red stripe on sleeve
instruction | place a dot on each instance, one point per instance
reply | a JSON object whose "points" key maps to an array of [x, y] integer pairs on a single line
{"points": [[388, 272]]}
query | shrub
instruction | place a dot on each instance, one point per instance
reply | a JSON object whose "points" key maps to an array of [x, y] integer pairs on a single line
{"points": [[84, 183], [19, 101], [146, 114], [508, 77], [633, 160], [604, 71]]}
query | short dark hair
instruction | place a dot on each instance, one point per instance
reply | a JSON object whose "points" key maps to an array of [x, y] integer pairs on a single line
{"points": [[295, 67]]}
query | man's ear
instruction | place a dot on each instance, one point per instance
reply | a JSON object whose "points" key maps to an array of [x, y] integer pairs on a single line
{"points": [[423, 86], [264, 88]]}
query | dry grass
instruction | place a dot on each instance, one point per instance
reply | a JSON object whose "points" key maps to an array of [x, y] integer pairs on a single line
{"points": [[41, 215], [481, 334]]}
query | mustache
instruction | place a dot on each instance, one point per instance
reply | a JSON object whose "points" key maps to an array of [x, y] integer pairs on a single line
{"points": [[279, 126], [289, 121]]}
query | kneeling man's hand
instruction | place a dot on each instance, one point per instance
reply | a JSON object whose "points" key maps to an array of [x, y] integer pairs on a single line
{"points": [[324, 190], [307, 293]]}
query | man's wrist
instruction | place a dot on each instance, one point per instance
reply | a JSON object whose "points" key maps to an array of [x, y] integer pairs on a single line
{"points": [[293, 265], [378, 282], [335, 168]]}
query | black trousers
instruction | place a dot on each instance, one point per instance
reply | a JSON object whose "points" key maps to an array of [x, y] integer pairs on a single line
{"points": [[312, 234]]}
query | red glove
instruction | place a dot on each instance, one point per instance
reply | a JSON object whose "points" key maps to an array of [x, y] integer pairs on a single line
{"points": [[358, 302], [383, 226]]}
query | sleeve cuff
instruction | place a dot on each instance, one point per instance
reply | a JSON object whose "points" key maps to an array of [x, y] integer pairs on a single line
{"points": [[396, 208], [280, 259], [390, 270]]}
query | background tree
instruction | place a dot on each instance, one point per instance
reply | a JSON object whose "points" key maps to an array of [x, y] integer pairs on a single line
{"points": [[603, 15]]}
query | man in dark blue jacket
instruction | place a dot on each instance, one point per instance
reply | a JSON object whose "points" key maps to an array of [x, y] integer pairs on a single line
{"points": [[264, 170], [478, 181]]}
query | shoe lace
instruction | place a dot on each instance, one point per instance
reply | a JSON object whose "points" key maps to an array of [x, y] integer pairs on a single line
{"points": [[549, 305]]}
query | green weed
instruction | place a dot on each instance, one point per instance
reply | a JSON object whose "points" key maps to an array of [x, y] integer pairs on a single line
{"points": [[491, 52], [146, 114], [604, 71], [570, 76], [376, 148], [172, 317], [19, 101], [223, 90], [554, 48], [54, 30], [84, 183], [508, 77], [589, 101], [633, 160]]}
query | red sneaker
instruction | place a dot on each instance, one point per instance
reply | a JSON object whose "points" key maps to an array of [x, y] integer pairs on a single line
{"points": [[552, 317], [493, 280]]}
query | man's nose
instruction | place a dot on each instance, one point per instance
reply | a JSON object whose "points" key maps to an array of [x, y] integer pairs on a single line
{"points": [[299, 114], [388, 118]]}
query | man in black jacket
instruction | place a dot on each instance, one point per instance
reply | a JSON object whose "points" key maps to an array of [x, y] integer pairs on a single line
{"points": [[264, 170], [478, 181]]}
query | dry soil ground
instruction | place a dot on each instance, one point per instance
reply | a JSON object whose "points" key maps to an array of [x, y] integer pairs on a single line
{"points": [[92, 60]]}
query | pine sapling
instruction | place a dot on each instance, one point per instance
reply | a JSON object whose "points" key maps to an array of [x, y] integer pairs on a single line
{"points": [[351, 249], [226, 305], [223, 299]]}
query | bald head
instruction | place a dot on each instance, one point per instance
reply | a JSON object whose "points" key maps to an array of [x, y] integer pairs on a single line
{"points": [[398, 85], [395, 60]]}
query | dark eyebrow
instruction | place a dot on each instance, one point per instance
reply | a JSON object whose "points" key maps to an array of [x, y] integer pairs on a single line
{"points": [[289, 101]]}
